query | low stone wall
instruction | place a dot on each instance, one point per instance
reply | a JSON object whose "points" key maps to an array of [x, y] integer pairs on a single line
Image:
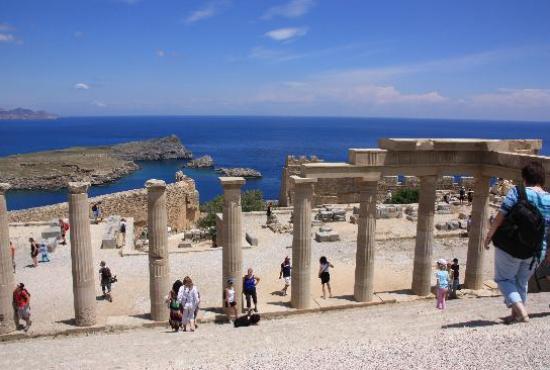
{"points": [[182, 205], [345, 190]]}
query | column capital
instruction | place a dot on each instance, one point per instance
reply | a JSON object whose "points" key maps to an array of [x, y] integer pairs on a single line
{"points": [[4, 187], [304, 181], [78, 187], [154, 184], [228, 182]]}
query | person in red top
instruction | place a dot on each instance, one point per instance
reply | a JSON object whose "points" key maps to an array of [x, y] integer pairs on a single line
{"points": [[63, 228], [22, 305]]}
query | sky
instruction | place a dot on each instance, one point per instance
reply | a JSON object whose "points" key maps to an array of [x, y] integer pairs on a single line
{"points": [[485, 59]]}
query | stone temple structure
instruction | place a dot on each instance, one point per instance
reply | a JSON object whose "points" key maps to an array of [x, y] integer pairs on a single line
{"points": [[427, 159]]}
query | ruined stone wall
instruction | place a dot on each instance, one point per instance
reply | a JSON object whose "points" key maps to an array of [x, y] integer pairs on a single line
{"points": [[345, 190], [182, 205]]}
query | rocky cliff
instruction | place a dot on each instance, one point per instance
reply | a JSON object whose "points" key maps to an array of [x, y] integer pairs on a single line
{"points": [[52, 170], [24, 114]]}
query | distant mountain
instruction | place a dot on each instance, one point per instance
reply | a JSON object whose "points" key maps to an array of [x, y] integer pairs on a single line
{"points": [[21, 113]]}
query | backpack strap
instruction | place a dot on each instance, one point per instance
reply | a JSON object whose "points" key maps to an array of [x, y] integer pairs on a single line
{"points": [[522, 194]]}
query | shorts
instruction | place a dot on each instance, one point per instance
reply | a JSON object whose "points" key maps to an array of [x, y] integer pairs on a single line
{"points": [[231, 304], [24, 312], [325, 277], [106, 285], [287, 280]]}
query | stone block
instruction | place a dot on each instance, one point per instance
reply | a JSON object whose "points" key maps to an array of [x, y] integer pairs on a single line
{"points": [[51, 232], [185, 244], [108, 244], [453, 225], [326, 236], [251, 239]]}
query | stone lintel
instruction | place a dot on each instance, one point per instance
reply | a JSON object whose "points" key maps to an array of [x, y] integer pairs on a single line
{"points": [[367, 157], [78, 187], [4, 187], [155, 184], [483, 145], [297, 180], [232, 181]]}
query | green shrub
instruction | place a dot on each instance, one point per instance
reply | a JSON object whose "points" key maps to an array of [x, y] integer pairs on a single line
{"points": [[404, 196], [251, 200]]}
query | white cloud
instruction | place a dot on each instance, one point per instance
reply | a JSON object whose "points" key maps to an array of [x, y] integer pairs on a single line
{"points": [[81, 86], [99, 104], [284, 34], [292, 9], [7, 37], [524, 98], [208, 11]]}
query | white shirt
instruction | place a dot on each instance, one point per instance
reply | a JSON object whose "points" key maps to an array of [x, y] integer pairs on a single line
{"points": [[188, 297]]}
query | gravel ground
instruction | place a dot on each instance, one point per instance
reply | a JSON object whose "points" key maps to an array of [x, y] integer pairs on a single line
{"points": [[51, 284], [468, 335]]}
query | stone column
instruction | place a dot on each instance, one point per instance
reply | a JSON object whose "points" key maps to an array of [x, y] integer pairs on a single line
{"points": [[7, 284], [84, 274], [232, 235], [478, 231], [364, 257], [301, 242], [422, 271], [157, 230]]}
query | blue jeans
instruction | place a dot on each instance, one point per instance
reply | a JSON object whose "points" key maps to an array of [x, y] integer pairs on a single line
{"points": [[512, 276]]}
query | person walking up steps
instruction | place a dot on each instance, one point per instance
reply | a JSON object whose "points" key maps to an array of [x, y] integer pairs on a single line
{"points": [[324, 275], [285, 274], [249, 289], [519, 234], [442, 276]]}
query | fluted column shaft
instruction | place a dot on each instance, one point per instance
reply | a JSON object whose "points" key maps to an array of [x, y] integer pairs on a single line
{"points": [[364, 258], [422, 271], [301, 242], [159, 266], [7, 323], [232, 231], [82, 260], [478, 231]]}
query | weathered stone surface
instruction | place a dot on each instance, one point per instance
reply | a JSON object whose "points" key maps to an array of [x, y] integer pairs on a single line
{"points": [[252, 240], [326, 234]]}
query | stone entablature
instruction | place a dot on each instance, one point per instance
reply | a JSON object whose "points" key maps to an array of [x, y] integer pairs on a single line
{"points": [[182, 206]]}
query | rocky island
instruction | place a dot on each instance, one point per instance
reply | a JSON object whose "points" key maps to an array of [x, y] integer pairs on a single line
{"points": [[205, 161], [25, 114], [52, 170], [249, 173]]}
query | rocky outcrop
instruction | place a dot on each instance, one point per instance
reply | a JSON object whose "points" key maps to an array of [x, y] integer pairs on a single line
{"points": [[25, 114], [205, 161], [239, 172], [52, 170], [169, 147]]}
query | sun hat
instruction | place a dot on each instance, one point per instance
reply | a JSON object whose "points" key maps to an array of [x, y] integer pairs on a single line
{"points": [[441, 261]]}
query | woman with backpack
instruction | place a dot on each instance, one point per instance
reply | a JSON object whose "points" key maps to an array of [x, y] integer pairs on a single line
{"points": [[519, 235], [174, 305]]}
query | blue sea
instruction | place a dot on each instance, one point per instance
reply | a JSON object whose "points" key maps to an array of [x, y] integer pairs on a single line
{"points": [[261, 143]]}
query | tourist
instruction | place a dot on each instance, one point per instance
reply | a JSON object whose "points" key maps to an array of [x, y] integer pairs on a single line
{"points": [[470, 196], [96, 210], [63, 228], [442, 284], [450, 276], [324, 275], [12, 251], [446, 198], [514, 264], [105, 279], [174, 305], [389, 196], [249, 289], [44, 252], [285, 274], [230, 303], [188, 298], [456, 278], [22, 305], [34, 252], [269, 211], [121, 235], [462, 195]]}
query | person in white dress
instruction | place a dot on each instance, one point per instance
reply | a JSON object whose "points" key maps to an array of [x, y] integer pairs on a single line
{"points": [[189, 299]]}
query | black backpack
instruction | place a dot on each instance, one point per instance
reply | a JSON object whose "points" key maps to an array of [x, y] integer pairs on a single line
{"points": [[523, 230]]}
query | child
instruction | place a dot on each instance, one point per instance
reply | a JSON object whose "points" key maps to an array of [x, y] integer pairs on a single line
{"points": [[442, 285], [230, 303], [324, 275], [285, 273], [44, 252]]}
